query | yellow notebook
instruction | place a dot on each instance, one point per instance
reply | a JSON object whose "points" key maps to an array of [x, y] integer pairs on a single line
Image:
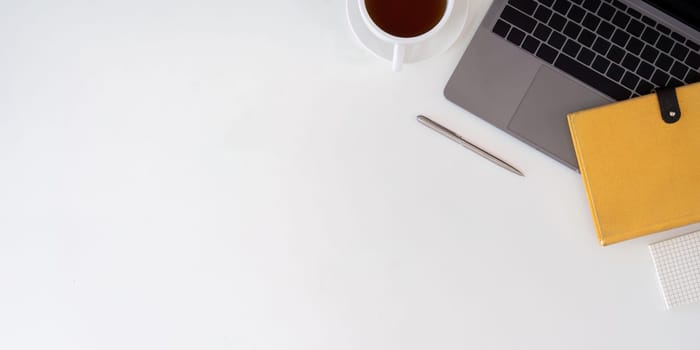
{"points": [[641, 173]]}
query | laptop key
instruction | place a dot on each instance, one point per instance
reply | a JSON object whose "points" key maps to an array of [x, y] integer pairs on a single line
{"points": [[621, 19], [557, 22], [692, 77], [663, 29], [606, 11], [630, 81], [644, 87], [619, 5], [693, 45], [679, 70], [659, 78], [600, 64], [542, 32], [561, 6], [634, 13], [601, 46], [605, 30], [650, 35], [591, 21], [615, 72], [576, 14], [678, 37], [586, 37], [557, 40], [664, 44], [693, 60], [679, 52], [673, 82], [531, 44], [543, 14], [649, 54], [635, 27], [592, 78], [664, 61], [620, 37], [635, 46], [571, 48], [518, 19], [501, 28], [546, 2], [516, 36], [648, 21], [527, 6], [645, 70], [547, 53], [572, 29], [630, 62], [591, 5], [615, 54], [586, 56]]}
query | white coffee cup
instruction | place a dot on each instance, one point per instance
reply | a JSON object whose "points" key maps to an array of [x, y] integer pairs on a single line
{"points": [[400, 43]]}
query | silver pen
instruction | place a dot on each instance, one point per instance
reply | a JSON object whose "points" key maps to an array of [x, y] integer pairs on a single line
{"points": [[456, 138]]}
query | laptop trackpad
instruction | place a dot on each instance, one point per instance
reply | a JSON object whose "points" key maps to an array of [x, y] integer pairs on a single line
{"points": [[541, 116]]}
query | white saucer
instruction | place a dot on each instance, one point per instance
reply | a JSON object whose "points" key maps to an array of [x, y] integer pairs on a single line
{"points": [[436, 45]]}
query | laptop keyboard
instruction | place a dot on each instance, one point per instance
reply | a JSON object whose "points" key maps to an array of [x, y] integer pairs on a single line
{"points": [[605, 44]]}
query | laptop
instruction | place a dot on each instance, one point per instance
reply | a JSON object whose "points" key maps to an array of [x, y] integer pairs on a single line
{"points": [[531, 62]]}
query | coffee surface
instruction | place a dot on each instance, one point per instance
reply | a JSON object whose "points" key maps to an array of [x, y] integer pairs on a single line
{"points": [[406, 18]]}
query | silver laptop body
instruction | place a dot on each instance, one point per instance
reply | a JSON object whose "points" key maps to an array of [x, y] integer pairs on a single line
{"points": [[528, 97]]}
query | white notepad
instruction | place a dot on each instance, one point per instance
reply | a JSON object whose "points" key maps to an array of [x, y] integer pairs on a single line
{"points": [[677, 262]]}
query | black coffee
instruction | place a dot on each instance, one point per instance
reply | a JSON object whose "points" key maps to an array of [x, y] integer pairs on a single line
{"points": [[406, 18]]}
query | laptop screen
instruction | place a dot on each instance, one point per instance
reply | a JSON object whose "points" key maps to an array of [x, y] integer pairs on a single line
{"points": [[687, 11]]}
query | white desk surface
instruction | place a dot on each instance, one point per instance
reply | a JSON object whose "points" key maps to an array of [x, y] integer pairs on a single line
{"points": [[243, 175]]}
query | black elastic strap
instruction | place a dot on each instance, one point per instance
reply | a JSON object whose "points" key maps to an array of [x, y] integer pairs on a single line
{"points": [[668, 103]]}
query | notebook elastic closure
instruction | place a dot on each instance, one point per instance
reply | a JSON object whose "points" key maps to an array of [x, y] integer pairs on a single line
{"points": [[668, 104]]}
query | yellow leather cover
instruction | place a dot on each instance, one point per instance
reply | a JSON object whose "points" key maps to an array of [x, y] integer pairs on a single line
{"points": [[642, 175]]}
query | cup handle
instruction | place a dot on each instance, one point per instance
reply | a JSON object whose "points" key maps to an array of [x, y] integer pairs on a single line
{"points": [[397, 61]]}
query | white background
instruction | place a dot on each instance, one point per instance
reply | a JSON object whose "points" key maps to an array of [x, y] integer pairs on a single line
{"points": [[243, 175]]}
